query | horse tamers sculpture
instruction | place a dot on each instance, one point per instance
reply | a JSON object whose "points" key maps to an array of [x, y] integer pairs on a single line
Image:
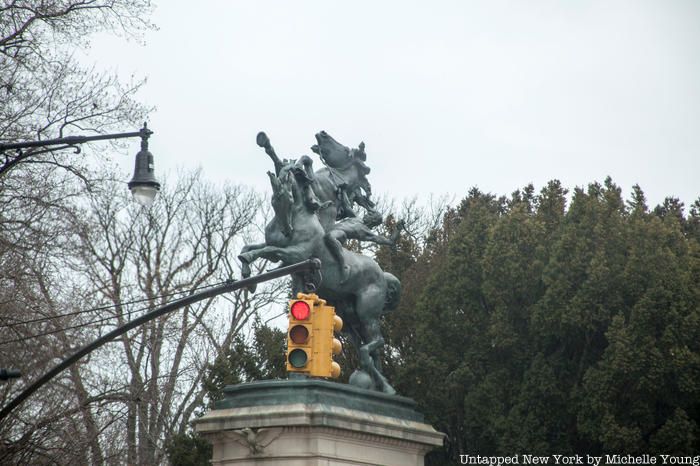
{"points": [[314, 216]]}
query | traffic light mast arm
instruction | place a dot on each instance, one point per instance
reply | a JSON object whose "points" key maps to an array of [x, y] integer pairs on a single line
{"points": [[308, 265]]}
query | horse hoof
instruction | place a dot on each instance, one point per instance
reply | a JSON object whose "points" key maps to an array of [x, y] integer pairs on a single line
{"points": [[245, 267], [361, 379], [388, 389]]}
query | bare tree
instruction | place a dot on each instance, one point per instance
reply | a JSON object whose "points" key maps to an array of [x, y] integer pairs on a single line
{"points": [[72, 269], [45, 90], [34, 233], [108, 262], [184, 242], [46, 93]]}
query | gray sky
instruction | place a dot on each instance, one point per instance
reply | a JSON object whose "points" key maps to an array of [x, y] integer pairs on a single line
{"points": [[445, 94]]}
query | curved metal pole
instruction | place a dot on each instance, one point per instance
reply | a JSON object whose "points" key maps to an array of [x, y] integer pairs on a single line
{"points": [[64, 143], [308, 265]]}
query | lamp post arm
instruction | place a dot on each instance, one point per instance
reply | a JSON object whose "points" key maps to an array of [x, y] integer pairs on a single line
{"points": [[308, 265], [62, 143], [69, 140]]}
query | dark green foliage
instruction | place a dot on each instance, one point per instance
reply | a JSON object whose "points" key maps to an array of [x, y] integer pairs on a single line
{"points": [[527, 327], [261, 359], [188, 449]]}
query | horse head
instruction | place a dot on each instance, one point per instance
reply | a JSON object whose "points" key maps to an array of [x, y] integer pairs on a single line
{"points": [[282, 199], [339, 156], [290, 194]]}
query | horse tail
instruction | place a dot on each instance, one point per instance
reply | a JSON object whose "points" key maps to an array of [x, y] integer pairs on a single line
{"points": [[393, 292]]}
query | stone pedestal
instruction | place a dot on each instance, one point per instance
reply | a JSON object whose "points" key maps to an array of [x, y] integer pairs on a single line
{"points": [[315, 423]]}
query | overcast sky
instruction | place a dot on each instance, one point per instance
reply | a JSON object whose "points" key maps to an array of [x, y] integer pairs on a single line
{"points": [[446, 95]]}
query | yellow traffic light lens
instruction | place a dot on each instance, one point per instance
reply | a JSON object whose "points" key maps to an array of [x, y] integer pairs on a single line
{"points": [[335, 370], [300, 310], [298, 358], [337, 347], [299, 334], [337, 324]]}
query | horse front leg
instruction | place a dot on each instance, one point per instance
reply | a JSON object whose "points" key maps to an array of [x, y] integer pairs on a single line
{"points": [[369, 235], [245, 264], [253, 253], [287, 255]]}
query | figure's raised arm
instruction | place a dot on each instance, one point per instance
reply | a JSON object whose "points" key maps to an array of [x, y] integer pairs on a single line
{"points": [[264, 142]]}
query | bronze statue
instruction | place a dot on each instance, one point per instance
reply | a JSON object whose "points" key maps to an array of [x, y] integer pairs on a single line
{"points": [[314, 216]]}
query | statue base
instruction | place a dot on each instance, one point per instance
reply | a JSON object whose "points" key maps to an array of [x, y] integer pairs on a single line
{"points": [[314, 422]]}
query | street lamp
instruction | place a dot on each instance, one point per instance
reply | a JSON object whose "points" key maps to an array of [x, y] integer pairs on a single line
{"points": [[143, 185]]}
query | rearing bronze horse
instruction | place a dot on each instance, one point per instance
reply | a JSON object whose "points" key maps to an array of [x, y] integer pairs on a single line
{"points": [[332, 192], [361, 294]]}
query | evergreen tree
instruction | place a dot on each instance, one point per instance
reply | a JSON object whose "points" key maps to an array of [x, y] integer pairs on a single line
{"points": [[527, 326]]}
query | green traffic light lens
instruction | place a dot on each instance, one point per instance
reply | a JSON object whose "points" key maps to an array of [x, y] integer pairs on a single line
{"points": [[298, 358]]}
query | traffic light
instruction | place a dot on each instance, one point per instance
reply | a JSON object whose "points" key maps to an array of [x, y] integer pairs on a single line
{"points": [[311, 343]]}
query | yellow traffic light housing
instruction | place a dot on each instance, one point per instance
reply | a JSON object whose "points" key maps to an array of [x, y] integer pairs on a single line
{"points": [[325, 345], [311, 343]]}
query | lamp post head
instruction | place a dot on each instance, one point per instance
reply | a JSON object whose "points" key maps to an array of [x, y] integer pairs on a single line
{"points": [[144, 185]]}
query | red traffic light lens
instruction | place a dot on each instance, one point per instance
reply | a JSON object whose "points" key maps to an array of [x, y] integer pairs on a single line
{"points": [[300, 310], [299, 334]]}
